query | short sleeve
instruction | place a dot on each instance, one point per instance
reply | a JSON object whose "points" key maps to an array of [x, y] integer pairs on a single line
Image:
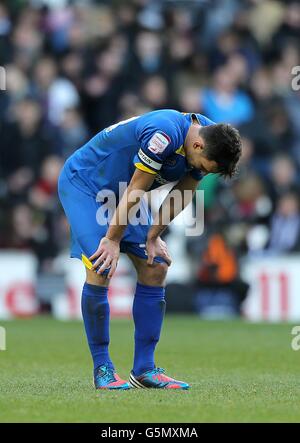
{"points": [[158, 138]]}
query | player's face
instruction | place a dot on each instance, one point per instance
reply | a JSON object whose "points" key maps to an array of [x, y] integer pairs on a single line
{"points": [[207, 166], [198, 159]]}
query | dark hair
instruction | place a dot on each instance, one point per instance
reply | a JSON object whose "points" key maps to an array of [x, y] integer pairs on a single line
{"points": [[223, 145]]}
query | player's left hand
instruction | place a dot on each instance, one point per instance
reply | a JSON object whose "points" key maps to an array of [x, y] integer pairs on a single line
{"points": [[107, 256], [156, 247]]}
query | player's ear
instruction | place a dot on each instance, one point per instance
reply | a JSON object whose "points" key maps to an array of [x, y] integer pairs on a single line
{"points": [[199, 145]]}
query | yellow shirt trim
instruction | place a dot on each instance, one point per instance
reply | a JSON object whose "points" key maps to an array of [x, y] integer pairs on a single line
{"points": [[144, 168], [180, 151]]}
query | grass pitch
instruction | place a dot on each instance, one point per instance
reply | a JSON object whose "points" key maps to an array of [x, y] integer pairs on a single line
{"points": [[239, 372]]}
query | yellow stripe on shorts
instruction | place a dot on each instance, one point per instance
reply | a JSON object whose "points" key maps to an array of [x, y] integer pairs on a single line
{"points": [[87, 263]]}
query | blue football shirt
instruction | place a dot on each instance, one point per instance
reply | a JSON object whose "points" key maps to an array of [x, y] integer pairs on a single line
{"points": [[152, 142]]}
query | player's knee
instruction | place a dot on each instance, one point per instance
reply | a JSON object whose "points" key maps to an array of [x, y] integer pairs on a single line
{"points": [[154, 275], [96, 279]]}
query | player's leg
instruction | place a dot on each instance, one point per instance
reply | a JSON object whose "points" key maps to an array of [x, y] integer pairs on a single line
{"points": [[148, 315], [148, 311], [81, 210], [96, 315]]}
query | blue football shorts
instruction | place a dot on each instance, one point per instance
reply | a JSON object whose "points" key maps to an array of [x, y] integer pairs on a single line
{"points": [[81, 209]]}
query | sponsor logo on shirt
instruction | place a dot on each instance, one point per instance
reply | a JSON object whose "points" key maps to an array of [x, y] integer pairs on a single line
{"points": [[158, 142]]}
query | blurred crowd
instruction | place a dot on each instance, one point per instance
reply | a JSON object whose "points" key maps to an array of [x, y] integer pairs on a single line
{"points": [[75, 67]]}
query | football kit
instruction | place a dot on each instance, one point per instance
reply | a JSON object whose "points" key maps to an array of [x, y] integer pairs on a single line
{"points": [[90, 179], [153, 143]]}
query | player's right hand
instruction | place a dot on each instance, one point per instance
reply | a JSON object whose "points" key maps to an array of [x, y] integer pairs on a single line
{"points": [[107, 255]]}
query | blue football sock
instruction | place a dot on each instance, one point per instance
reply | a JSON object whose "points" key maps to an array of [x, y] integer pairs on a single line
{"points": [[95, 312], [148, 314]]}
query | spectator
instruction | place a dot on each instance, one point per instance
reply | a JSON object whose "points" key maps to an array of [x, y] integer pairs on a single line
{"points": [[31, 144], [225, 102], [73, 70], [284, 176], [73, 132], [285, 225]]}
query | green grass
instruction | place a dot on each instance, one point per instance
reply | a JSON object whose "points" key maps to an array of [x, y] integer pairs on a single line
{"points": [[239, 372]]}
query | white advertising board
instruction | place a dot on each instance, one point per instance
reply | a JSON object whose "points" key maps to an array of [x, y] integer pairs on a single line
{"points": [[17, 285], [274, 289]]}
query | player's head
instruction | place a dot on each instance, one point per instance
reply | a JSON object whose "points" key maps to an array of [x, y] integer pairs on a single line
{"points": [[214, 148]]}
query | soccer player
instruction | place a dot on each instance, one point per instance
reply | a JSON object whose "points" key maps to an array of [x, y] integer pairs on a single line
{"points": [[144, 152]]}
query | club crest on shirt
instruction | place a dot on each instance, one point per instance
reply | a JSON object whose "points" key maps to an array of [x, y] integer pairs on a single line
{"points": [[158, 142]]}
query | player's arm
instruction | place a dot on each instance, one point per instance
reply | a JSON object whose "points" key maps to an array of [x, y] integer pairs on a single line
{"points": [[109, 249], [172, 209]]}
